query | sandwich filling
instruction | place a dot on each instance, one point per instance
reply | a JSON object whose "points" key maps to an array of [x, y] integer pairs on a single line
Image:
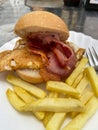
{"points": [[44, 52], [58, 57]]}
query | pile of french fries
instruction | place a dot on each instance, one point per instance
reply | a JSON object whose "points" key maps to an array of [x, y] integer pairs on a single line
{"points": [[76, 98]]}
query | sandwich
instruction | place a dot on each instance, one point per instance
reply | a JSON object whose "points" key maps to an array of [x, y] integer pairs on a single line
{"points": [[42, 53]]}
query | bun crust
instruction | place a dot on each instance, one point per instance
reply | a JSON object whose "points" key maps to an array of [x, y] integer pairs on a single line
{"points": [[31, 76], [41, 21]]}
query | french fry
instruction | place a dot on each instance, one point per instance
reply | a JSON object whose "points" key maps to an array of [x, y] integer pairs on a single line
{"points": [[56, 121], [37, 92], [70, 80], [80, 120], [48, 115], [15, 101], [56, 105], [27, 98], [92, 76], [62, 87], [84, 98], [47, 118], [53, 94], [82, 85], [77, 80], [39, 115], [23, 94], [52, 117]]}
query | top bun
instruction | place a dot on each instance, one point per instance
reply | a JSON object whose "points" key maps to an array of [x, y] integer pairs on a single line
{"points": [[41, 21]]}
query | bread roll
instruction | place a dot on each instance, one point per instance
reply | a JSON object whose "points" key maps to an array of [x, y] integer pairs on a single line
{"points": [[41, 21], [31, 76]]}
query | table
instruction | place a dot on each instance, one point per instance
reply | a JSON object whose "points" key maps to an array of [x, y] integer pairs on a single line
{"points": [[78, 19]]}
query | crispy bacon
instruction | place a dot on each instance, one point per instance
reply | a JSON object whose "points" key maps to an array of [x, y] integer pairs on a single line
{"points": [[60, 57]]}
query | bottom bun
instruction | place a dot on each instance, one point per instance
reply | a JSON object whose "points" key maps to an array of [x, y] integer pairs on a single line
{"points": [[31, 76]]}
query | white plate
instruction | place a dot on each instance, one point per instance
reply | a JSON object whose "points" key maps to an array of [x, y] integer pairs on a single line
{"points": [[10, 119]]}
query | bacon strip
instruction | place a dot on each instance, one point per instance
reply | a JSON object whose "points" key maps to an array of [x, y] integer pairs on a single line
{"points": [[59, 58], [55, 68]]}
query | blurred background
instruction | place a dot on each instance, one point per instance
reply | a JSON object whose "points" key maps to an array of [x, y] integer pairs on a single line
{"points": [[79, 15]]}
